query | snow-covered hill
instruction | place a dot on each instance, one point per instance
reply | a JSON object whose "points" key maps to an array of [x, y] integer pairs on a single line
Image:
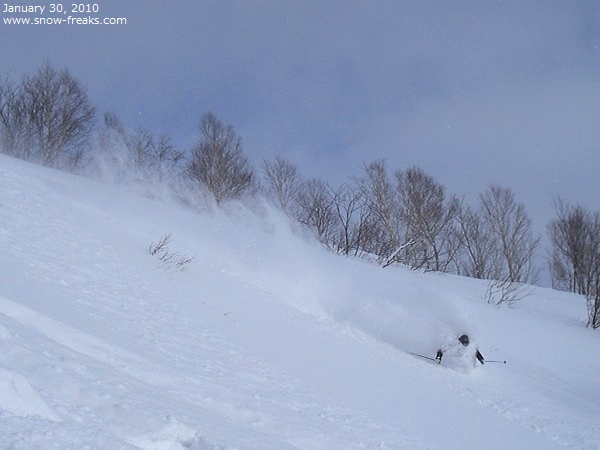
{"points": [[264, 341]]}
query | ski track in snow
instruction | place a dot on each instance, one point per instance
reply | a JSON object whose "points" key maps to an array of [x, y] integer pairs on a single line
{"points": [[101, 347]]}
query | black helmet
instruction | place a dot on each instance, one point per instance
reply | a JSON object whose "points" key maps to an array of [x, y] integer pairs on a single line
{"points": [[464, 340]]}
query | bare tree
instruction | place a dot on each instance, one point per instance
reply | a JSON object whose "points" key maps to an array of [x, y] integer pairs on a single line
{"points": [[317, 210], [166, 159], [353, 219], [283, 183], [111, 135], [10, 117], [571, 237], [152, 157], [593, 296], [428, 217], [479, 257], [139, 154], [139, 145], [510, 227], [218, 162], [384, 229], [110, 156], [47, 118], [575, 255]]}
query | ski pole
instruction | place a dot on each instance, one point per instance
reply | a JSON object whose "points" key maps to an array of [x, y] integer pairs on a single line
{"points": [[492, 361], [422, 356]]}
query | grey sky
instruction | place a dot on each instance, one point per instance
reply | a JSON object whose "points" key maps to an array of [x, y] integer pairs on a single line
{"points": [[474, 92]]}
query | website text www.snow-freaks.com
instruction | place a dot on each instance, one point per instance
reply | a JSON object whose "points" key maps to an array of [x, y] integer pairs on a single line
{"points": [[70, 20], [57, 14]]}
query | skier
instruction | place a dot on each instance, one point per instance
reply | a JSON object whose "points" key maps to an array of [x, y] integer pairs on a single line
{"points": [[464, 340]]}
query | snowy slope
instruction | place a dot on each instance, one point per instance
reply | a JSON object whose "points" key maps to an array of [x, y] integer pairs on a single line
{"points": [[264, 341]]}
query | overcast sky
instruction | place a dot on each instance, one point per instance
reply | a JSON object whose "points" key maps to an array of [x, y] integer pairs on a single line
{"points": [[473, 92]]}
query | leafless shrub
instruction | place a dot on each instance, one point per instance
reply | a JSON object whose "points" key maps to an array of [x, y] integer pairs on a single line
{"points": [[157, 248], [170, 259], [506, 292]]}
